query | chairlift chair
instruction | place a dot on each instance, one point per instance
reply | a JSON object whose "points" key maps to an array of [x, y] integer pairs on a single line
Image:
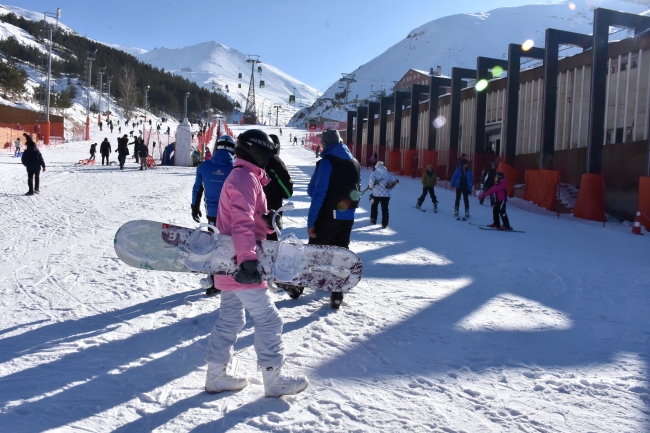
{"points": [[262, 85]]}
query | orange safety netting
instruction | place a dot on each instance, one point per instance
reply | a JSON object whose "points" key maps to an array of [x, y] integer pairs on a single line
{"points": [[541, 187], [591, 205], [511, 174], [410, 162], [394, 161], [429, 157], [644, 201]]}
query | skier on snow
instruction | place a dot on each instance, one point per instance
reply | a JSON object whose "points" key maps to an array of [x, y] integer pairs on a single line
{"points": [[462, 181], [93, 151], [380, 184], [210, 176], [500, 189], [429, 180], [241, 207]]}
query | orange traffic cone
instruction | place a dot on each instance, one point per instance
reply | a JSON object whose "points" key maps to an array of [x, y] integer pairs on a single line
{"points": [[636, 228]]}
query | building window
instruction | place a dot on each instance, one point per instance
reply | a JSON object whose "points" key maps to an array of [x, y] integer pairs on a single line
{"points": [[628, 134], [608, 137], [619, 135], [634, 64], [623, 66], [612, 69]]}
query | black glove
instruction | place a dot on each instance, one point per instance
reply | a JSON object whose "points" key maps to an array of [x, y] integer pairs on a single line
{"points": [[268, 218], [248, 273], [196, 214]]}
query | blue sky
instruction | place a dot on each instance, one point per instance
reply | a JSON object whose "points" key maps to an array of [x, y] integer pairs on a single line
{"points": [[311, 40]]}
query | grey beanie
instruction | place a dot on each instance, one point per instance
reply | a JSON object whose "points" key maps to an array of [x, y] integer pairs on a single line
{"points": [[330, 136]]}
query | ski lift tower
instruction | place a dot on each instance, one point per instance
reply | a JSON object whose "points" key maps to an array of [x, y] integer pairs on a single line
{"points": [[347, 79], [250, 114]]}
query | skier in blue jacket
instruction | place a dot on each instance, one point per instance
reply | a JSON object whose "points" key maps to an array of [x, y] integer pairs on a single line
{"points": [[210, 176], [462, 180]]}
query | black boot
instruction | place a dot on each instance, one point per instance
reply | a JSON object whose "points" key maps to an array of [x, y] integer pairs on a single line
{"points": [[294, 292], [336, 299], [212, 291]]}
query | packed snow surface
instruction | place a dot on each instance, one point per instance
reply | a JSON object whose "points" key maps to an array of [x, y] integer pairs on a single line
{"points": [[452, 329]]}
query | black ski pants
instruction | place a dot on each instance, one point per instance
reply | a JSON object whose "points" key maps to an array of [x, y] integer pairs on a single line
{"points": [[332, 232], [92, 157], [499, 209], [384, 209], [121, 157], [425, 190], [33, 180], [465, 194], [105, 156]]}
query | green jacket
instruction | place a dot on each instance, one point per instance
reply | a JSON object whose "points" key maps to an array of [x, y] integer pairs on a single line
{"points": [[429, 181]]}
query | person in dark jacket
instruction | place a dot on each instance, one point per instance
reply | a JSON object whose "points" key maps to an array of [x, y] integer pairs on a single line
{"points": [[122, 150], [210, 176], [462, 180], [143, 152], [280, 187], [105, 150], [488, 182], [136, 147], [33, 161], [429, 181], [500, 190], [335, 193], [93, 151]]}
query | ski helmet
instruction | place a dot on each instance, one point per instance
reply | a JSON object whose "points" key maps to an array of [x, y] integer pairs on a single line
{"points": [[225, 142], [255, 146], [276, 141], [500, 175]]}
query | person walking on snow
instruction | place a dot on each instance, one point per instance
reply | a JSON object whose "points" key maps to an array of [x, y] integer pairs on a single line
{"points": [[488, 181], [105, 151], [429, 180], [500, 190], [462, 181], [210, 176], [143, 152], [33, 161], [295, 140], [17, 145], [334, 191], [241, 206], [93, 151], [122, 150], [380, 184]]}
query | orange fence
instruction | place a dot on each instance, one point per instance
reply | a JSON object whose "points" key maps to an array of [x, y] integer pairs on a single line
{"points": [[429, 157], [35, 129], [511, 174], [410, 163], [541, 187], [8, 136], [644, 201], [394, 161], [591, 205]]}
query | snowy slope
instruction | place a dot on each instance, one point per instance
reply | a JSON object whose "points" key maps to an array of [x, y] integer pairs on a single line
{"points": [[212, 61], [457, 40], [32, 16], [452, 330]]}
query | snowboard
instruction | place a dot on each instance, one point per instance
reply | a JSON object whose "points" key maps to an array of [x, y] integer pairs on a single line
{"points": [[165, 247], [499, 230]]}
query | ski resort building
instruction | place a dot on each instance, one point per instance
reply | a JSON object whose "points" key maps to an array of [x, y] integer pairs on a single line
{"points": [[563, 120]]}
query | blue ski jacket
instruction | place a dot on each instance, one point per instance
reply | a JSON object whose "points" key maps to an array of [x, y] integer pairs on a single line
{"points": [[320, 181], [210, 175], [455, 179]]}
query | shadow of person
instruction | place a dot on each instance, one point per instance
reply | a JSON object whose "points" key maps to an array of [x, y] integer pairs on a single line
{"points": [[271, 407]]}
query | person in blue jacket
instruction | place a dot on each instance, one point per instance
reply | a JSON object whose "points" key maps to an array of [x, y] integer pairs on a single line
{"points": [[335, 193], [462, 180], [210, 176]]}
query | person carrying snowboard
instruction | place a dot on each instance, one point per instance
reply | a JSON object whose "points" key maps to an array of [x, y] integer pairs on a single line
{"points": [[33, 161], [241, 206], [380, 184], [93, 151], [462, 181], [488, 181], [334, 191], [210, 176], [500, 190], [429, 180]]}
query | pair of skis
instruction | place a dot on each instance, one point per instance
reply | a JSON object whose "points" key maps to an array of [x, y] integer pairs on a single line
{"points": [[484, 227]]}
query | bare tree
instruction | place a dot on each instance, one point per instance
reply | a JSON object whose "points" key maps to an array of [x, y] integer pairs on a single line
{"points": [[128, 90]]}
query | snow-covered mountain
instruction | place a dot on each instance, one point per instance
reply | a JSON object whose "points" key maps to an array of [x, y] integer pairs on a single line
{"points": [[457, 40], [210, 62]]}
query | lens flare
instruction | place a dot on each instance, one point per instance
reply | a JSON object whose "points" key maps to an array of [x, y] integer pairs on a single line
{"points": [[481, 85], [572, 6], [527, 45], [439, 122], [497, 71]]}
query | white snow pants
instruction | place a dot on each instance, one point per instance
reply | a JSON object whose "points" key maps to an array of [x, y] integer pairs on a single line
{"points": [[231, 320]]}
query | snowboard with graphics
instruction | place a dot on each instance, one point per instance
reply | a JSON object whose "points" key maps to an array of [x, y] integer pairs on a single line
{"points": [[165, 247]]}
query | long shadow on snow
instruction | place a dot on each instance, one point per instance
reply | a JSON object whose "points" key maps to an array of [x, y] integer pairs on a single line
{"points": [[101, 389]]}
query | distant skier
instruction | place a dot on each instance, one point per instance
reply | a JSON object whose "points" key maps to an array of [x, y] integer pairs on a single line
{"points": [[429, 181], [290, 139], [122, 150], [143, 153], [500, 190], [93, 151], [241, 206], [17, 145], [33, 161], [462, 181], [380, 184], [295, 141], [111, 126], [488, 181], [101, 125], [280, 132], [105, 151]]}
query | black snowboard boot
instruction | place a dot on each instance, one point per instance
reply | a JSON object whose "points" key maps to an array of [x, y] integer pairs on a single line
{"points": [[466, 213], [294, 292], [435, 206], [336, 299], [212, 291], [456, 212]]}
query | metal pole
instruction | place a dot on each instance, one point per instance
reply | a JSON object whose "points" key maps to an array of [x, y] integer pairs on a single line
{"points": [[108, 97], [47, 86], [185, 112], [102, 71]]}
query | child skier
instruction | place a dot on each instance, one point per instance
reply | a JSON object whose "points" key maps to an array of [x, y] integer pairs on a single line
{"points": [[500, 189], [429, 180], [380, 182], [241, 206]]}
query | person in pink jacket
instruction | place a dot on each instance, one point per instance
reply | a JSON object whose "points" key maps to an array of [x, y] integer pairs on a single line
{"points": [[500, 189], [242, 207]]}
